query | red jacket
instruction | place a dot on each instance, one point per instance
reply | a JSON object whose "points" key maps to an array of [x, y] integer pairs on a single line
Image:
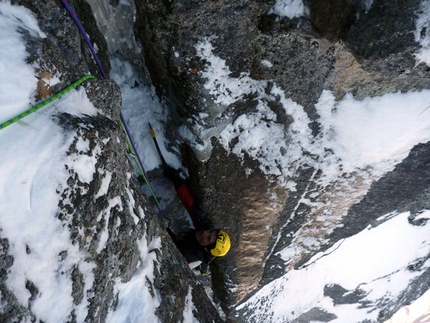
{"points": [[199, 218], [187, 242]]}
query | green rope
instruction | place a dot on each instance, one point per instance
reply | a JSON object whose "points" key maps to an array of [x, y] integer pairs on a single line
{"points": [[141, 171], [45, 102], [59, 95]]}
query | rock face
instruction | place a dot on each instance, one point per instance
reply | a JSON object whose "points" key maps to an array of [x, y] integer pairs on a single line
{"points": [[123, 213], [344, 46]]}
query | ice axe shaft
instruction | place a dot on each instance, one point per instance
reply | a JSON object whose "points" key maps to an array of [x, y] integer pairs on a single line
{"points": [[157, 146]]}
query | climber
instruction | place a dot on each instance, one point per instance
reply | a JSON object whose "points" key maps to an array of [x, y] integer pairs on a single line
{"points": [[201, 245]]}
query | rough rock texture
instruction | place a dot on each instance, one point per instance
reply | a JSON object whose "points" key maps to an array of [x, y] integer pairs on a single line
{"points": [[237, 203], [343, 46], [86, 214], [61, 29], [240, 210]]}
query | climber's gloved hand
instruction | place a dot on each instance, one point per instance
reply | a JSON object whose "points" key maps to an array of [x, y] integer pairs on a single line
{"points": [[170, 173], [202, 270], [141, 179], [173, 175]]}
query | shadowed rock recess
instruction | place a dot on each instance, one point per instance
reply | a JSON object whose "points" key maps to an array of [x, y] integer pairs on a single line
{"points": [[340, 46]]}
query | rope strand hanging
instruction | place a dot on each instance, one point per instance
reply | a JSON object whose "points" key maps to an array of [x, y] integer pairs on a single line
{"points": [[45, 102], [121, 121]]}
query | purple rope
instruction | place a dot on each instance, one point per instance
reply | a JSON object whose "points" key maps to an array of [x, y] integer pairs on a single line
{"points": [[85, 35], [127, 131], [88, 41], [99, 64]]}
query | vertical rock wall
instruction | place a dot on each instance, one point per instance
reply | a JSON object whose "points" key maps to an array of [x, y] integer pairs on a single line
{"points": [[342, 46], [107, 227]]}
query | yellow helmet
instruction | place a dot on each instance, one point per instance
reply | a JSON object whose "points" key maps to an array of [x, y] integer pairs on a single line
{"points": [[222, 245]]}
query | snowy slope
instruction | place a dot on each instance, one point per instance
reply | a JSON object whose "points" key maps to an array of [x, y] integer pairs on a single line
{"points": [[34, 168], [367, 137], [371, 266]]}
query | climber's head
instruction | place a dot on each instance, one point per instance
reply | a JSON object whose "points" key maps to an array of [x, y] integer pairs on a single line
{"points": [[206, 238], [216, 241]]}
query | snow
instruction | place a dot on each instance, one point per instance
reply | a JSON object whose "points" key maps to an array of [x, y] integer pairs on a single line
{"points": [[289, 8], [422, 33], [414, 312], [189, 307], [32, 163], [115, 202], [34, 155], [368, 4], [376, 132], [371, 135], [374, 260], [135, 301], [11, 60], [140, 106]]}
